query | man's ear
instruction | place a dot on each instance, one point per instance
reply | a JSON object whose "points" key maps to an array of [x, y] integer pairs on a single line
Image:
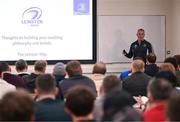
{"points": [[67, 111], [101, 91], [56, 91], [150, 98]]}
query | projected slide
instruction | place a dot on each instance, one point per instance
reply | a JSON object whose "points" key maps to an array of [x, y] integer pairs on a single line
{"points": [[46, 29]]}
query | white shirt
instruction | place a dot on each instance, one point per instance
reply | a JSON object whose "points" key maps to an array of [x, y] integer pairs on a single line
{"points": [[5, 87]]}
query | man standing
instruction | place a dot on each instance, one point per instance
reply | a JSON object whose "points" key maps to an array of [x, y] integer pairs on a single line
{"points": [[140, 47]]}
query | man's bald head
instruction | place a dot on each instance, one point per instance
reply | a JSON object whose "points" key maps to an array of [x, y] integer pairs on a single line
{"points": [[99, 68], [137, 66]]}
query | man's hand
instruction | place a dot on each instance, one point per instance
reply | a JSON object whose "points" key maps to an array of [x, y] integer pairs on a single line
{"points": [[124, 52]]}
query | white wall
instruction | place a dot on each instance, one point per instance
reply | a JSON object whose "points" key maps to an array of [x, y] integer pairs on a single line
{"points": [[176, 27], [169, 8]]}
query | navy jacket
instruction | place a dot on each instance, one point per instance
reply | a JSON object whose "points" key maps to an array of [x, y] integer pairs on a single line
{"points": [[51, 110], [139, 50]]}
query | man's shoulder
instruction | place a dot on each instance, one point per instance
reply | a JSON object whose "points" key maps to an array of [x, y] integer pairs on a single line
{"points": [[147, 42]]}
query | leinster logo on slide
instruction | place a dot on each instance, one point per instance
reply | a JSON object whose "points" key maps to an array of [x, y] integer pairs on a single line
{"points": [[81, 7], [32, 16]]}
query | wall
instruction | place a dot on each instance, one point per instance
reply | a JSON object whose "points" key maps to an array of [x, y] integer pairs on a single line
{"points": [[176, 27]]}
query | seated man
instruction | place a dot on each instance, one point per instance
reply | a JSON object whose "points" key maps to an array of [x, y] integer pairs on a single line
{"points": [[151, 68], [21, 67], [109, 83], [39, 68], [173, 108], [59, 72], [5, 86], [48, 108], [79, 104], [118, 107], [159, 91], [99, 71], [137, 83], [11, 78], [17, 106], [74, 71]]}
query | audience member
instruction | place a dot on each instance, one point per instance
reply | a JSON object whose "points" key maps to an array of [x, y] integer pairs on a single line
{"points": [[99, 71], [5, 86], [59, 72], [173, 61], [17, 106], [47, 107], [173, 107], [167, 75], [137, 83], [109, 83], [159, 91], [177, 57], [21, 67], [79, 103], [74, 71], [167, 67], [151, 68], [118, 107], [11, 78], [39, 68]]}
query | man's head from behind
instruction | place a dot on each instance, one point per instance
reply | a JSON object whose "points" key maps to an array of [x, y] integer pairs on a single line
{"points": [[115, 101], [79, 101], [137, 65], [159, 90], [173, 61], [4, 67], [21, 65], [110, 83], [40, 66], [46, 85], [17, 106], [99, 68], [173, 108], [73, 68], [140, 34], [151, 58]]}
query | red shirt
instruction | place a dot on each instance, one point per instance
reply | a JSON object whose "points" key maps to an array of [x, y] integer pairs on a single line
{"points": [[157, 113]]}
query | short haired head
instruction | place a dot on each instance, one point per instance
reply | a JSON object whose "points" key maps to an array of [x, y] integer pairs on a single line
{"points": [[59, 69], [167, 67], [21, 65], [17, 106], [177, 57], [4, 67], [116, 101], [73, 68], [99, 68], [140, 34], [173, 107], [40, 66], [159, 90], [151, 58], [45, 84], [110, 83], [137, 66], [80, 101], [173, 61]]}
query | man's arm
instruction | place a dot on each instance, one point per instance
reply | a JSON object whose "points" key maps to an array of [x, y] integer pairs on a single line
{"points": [[130, 54], [150, 50]]}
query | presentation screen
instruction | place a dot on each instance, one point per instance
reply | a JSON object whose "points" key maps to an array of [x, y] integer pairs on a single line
{"points": [[53, 30]]}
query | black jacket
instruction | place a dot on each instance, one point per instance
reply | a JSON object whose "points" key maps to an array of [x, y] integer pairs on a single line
{"points": [[139, 50], [136, 84]]}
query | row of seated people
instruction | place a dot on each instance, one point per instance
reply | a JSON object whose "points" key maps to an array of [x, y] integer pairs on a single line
{"points": [[81, 104], [135, 84]]}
